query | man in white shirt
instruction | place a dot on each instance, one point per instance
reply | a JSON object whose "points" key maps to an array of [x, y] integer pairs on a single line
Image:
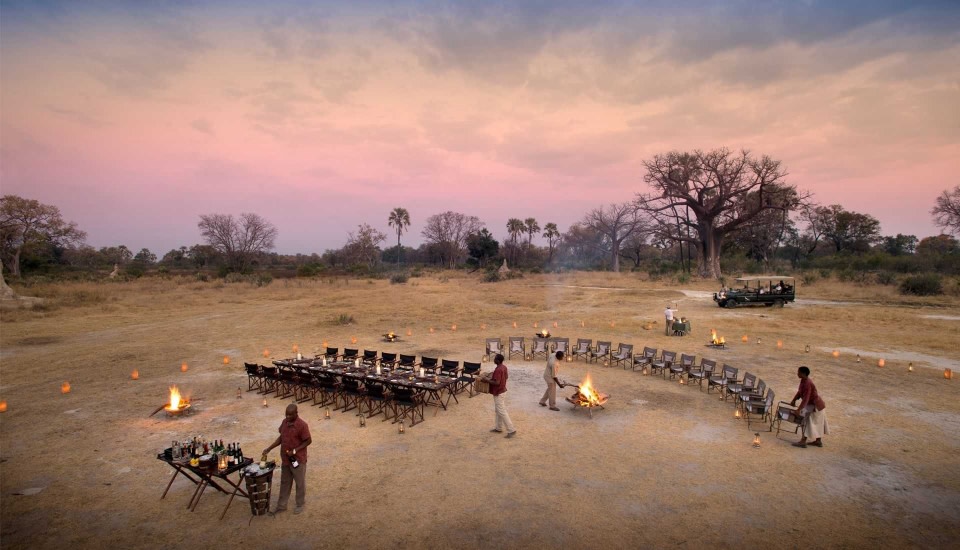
{"points": [[668, 314]]}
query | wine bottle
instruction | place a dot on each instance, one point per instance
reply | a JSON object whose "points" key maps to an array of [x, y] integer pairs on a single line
{"points": [[239, 453], [293, 460]]}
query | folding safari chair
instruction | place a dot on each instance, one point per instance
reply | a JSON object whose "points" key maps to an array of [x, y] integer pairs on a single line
{"points": [[623, 356], [516, 347], [582, 348], [540, 348], [602, 350]]}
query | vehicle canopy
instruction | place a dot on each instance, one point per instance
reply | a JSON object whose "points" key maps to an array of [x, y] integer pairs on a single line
{"points": [[765, 280]]}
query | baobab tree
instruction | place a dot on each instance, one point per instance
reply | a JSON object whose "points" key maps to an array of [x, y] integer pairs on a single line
{"points": [[27, 225], [721, 191], [399, 220], [616, 222]]}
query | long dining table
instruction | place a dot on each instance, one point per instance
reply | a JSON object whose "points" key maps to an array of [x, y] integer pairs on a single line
{"points": [[437, 388]]}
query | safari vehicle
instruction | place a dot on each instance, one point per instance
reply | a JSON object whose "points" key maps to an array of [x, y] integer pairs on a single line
{"points": [[770, 290]]}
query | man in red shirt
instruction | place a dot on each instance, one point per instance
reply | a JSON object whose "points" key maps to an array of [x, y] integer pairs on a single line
{"points": [[293, 441], [811, 409], [498, 386]]}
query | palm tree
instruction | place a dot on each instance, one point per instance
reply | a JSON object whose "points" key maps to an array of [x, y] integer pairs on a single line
{"points": [[399, 219], [515, 226], [551, 233], [532, 227]]}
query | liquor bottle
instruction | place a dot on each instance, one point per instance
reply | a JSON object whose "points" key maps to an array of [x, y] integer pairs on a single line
{"points": [[239, 453], [293, 460]]}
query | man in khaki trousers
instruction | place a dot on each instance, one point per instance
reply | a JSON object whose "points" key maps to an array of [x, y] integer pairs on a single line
{"points": [[551, 375]]}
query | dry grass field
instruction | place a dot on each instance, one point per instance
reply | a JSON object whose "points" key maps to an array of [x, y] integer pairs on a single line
{"points": [[662, 466]]}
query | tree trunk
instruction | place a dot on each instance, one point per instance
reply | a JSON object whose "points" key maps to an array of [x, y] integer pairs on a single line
{"points": [[615, 251], [710, 243], [398, 250], [15, 268]]}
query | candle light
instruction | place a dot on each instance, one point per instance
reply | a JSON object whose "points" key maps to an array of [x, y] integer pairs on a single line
{"points": [[363, 420], [226, 360], [324, 344], [453, 328], [910, 367], [806, 348], [324, 361], [266, 352], [858, 358], [239, 393], [646, 370], [744, 338], [835, 353], [431, 330], [353, 340], [756, 440], [736, 414], [554, 324], [183, 367], [483, 326], [613, 324], [296, 348], [3, 406], [779, 344], [881, 363], [299, 357], [514, 324], [378, 370], [135, 375], [326, 414], [356, 363], [421, 372], [409, 332], [265, 403], [65, 387], [758, 340], [401, 430]]}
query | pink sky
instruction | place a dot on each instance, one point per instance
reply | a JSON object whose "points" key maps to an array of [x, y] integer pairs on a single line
{"points": [[134, 121]]}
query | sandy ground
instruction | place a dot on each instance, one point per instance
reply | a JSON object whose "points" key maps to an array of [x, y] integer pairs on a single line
{"points": [[662, 466]]}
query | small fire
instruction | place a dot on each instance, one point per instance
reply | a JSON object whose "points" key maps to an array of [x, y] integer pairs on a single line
{"points": [[715, 340], [587, 395], [135, 375], [266, 352], [65, 387], [183, 367], [391, 335], [174, 398], [543, 332]]}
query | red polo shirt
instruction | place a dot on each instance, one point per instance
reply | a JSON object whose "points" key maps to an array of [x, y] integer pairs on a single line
{"points": [[498, 380], [292, 435]]}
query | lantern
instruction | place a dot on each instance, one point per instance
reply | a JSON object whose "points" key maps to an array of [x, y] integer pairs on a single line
{"points": [[363, 420], [409, 332], [806, 348], [881, 363], [736, 414], [485, 358], [910, 367], [265, 403], [400, 429], [947, 374], [183, 367], [613, 324], [569, 358], [135, 375], [222, 461], [353, 340], [758, 340], [756, 440], [266, 352], [239, 393], [514, 324], [528, 357], [582, 324], [744, 339], [682, 381], [554, 324], [483, 326], [326, 414], [835, 353], [296, 348], [3, 406], [226, 360], [858, 358], [431, 330], [646, 370], [779, 344], [65, 388], [453, 328], [324, 344], [606, 363]]}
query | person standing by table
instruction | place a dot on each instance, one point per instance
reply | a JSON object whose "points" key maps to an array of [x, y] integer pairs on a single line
{"points": [[498, 387], [668, 315], [293, 440], [551, 375], [811, 409]]}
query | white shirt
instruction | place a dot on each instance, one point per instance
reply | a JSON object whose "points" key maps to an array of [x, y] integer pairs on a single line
{"points": [[669, 314]]}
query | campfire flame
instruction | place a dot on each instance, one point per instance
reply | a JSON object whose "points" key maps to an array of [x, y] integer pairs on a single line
{"points": [[587, 395], [175, 399], [714, 339]]}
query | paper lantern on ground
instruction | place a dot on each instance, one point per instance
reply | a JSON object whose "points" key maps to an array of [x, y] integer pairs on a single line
{"points": [[183, 367], [555, 324], [881, 363], [265, 403], [353, 340], [324, 344], [296, 348], [3, 406], [779, 344], [266, 352], [453, 328], [483, 326], [536, 324], [744, 338], [431, 330], [135, 375], [514, 324], [835, 353], [582, 324], [948, 374], [226, 360], [65, 388], [858, 358]]}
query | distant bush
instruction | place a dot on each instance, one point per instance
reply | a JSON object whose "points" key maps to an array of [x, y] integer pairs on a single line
{"points": [[683, 278], [492, 276], [886, 278], [809, 277], [417, 272], [398, 278], [202, 277], [262, 279], [306, 270], [513, 274], [928, 284], [825, 273], [345, 319]]}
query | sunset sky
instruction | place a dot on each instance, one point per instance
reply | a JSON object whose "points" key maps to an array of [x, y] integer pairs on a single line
{"points": [[134, 118]]}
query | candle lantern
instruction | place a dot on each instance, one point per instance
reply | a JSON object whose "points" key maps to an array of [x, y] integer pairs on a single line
{"points": [[401, 429], [296, 348], [266, 352], [554, 324], [881, 363], [226, 360], [646, 370], [135, 375], [353, 340], [528, 357], [363, 420], [858, 358], [910, 367], [483, 326], [948, 374], [536, 324], [409, 332], [758, 340], [744, 338], [779, 344], [222, 461], [431, 330], [183, 367], [3, 406], [453, 328], [65, 388], [324, 344], [736, 413], [606, 363], [239, 393], [835, 353], [326, 413], [756, 440], [485, 358], [806, 348], [569, 358], [514, 324], [265, 403], [683, 382]]}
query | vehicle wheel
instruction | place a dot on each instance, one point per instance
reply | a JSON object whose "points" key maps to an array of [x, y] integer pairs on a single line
{"points": [[778, 303], [730, 304]]}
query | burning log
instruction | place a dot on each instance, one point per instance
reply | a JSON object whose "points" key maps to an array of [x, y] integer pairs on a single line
{"points": [[177, 405], [587, 396], [715, 341]]}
